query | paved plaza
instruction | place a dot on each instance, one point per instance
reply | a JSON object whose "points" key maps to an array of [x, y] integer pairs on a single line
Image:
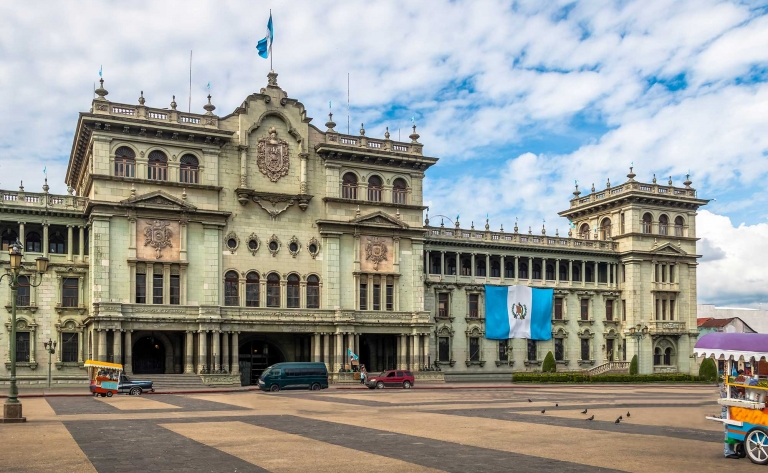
{"points": [[454, 430]]}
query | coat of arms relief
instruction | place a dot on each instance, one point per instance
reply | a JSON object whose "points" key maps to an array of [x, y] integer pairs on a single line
{"points": [[375, 252], [272, 156], [158, 236]]}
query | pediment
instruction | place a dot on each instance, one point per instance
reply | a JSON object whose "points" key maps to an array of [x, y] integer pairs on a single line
{"points": [[379, 219], [669, 249], [159, 200]]}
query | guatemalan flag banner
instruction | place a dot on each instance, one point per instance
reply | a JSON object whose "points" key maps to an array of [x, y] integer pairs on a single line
{"points": [[518, 312]]}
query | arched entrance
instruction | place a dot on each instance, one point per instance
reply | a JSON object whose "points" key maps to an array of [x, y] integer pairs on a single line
{"points": [[254, 357], [148, 356]]}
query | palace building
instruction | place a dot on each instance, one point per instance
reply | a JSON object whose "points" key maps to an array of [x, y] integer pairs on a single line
{"points": [[215, 246]]}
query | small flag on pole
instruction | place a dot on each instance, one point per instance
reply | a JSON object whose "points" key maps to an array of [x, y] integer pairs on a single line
{"points": [[45, 170], [100, 67], [265, 45], [329, 105], [351, 354], [209, 87]]}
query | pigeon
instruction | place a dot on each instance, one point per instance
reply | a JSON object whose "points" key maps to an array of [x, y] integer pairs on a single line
{"points": [[543, 411], [618, 420], [591, 418], [557, 405], [584, 411], [621, 417], [627, 413], [529, 400]]}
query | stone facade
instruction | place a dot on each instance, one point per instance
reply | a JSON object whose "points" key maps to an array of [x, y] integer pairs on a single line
{"points": [[193, 243]]}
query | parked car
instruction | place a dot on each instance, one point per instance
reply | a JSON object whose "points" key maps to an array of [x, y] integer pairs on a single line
{"points": [[279, 376], [391, 379], [134, 387]]}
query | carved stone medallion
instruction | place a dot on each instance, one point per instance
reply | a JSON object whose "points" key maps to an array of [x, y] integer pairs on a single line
{"points": [[376, 252], [272, 156], [158, 236]]}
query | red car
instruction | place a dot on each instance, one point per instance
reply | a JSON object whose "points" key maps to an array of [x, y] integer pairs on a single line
{"points": [[391, 379]]}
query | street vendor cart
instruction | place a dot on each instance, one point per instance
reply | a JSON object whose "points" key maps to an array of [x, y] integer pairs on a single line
{"points": [[744, 414], [105, 377]]}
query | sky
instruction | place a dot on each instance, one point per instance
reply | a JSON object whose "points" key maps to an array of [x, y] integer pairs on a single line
{"points": [[517, 99]]}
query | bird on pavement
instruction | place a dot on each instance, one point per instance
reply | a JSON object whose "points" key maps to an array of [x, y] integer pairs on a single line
{"points": [[584, 411], [543, 411], [621, 417], [591, 418], [529, 400], [618, 420], [627, 413], [556, 405]]}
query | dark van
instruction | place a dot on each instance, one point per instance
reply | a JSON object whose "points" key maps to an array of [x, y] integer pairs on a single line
{"points": [[312, 376]]}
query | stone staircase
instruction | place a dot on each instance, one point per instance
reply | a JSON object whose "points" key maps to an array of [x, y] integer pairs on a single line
{"points": [[173, 382], [611, 367]]}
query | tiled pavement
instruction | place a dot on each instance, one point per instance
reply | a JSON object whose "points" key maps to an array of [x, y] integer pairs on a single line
{"points": [[469, 430]]}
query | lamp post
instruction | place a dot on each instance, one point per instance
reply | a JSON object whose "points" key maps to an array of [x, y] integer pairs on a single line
{"points": [[12, 407], [638, 332], [50, 347]]}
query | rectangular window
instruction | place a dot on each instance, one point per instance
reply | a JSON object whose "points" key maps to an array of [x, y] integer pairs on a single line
{"points": [[377, 297], [624, 310], [157, 288], [363, 296], [473, 305], [658, 309], [663, 273], [188, 174], [141, 288], [124, 167], [559, 350], [69, 292], [293, 295], [585, 356], [663, 309], [558, 308], [532, 350], [273, 294], [443, 349], [23, 291], [622, 223], [671, 273], [503, 350], [672, 309], [251, 294], [69, 347], [390, 297], [474, 349], [609, 309], [313, 296], [623, 273], [442, 305], [584, 309], [22, 347], [175, 286]]}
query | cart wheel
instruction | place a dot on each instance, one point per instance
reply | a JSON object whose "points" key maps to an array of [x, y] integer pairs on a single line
{"points": [[756, 445], [109, 393], [103, 395]]}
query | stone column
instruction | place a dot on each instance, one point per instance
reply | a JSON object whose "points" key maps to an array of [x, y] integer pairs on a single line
{"points": [[81, 243], [402, 355], [216, 355], [243, 166], [517, 267], [339, 342], [442, 263], [583, 274], [327, 350], [202, 350], [22, 236], [425, 350], [544, 270], [530, 270], [303, 186], [502, 267], [350, 345], [189, 363], [316, 347], [117, 347], [81, 343], [167, 283], [102, 348], [487, 267], [69, 243], [570, 273], [429, 263], [357, 344], [236, 353], [414, 352], [557, 272], [472, 269], [225, 352], [128, 365]]}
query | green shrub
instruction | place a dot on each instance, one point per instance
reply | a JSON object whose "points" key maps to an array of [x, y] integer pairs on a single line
{"points": [[575, 377], [633, 366], [708, 370], [579, 377], [549, 365]]}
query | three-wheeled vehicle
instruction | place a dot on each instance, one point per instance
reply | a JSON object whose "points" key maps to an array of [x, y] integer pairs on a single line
{"points": [[105, 377], [745, 416]]}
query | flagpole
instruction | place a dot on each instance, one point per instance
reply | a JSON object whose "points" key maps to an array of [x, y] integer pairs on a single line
{"points": [[271, 69], [189, 107]]}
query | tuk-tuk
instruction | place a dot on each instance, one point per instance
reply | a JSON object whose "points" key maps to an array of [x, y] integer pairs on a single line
{"points": [[105, 377], [743, 395]]}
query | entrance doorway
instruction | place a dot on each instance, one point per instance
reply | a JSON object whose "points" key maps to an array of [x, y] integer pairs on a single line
{"points": [[148, 356], [378, 352], [254, 357], [609, 348]]}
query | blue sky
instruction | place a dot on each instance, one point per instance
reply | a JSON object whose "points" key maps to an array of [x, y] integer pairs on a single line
{"points": [[517, 99]]}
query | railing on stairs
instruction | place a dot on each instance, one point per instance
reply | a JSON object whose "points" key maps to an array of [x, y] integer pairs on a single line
{"points": [[609, 366]]}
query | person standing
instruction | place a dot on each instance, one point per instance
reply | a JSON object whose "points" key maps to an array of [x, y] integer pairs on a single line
{"points": [[728, 450], [363, 374]]}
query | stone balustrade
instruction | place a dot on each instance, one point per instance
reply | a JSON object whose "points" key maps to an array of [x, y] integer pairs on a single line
{"points": [[156, 115], [633, 187], [42, 200], [373, 144], [554, 242]]}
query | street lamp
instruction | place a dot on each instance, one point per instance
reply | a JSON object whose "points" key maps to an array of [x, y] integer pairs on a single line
{"points": [[50, 347], [638, 332], [12, 406]]}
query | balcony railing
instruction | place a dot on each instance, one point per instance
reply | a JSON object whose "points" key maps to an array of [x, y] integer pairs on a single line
{"points": [[41, 200], [668, 326], [155, 114], [519, 238], [633, 186]]}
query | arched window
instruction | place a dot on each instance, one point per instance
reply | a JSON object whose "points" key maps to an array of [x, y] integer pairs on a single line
{"points": [[523, 270], [563, 272], [157, 168], [536, 271], [9, 237], [679, 222], [293, 300], [435, 264], [451, 264], [550, 272], [495, 269], [57, 243], [584, 231], [466, 267], [349, 186], [313, 292], [252, 290], [188, 169], [33, 243], [663, 224], [576, 276], [399, 191], [668, 356], [22, 296], [647, 219], [657, 356], [125, 162], [480, 268], [509, 269], [374, 189], [231, 283], [588, 276], [606, 228], [273, 290]]}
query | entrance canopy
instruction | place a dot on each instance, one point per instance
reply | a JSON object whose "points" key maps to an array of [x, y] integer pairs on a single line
{"points": [[733, 346]]}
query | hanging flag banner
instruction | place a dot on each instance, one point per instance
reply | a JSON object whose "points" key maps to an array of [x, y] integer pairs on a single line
{"points": [[518, 312], [352, 354], [264, 46]]}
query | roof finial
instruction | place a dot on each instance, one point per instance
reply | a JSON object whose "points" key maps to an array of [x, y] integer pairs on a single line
{"points": [[457, 222], [654, 178], [330, 123], [543, 229], [386, 134], [362, 129], [631, 174], [688, 182], [593, 187], [414, 136], [173, 103], [529, 230], [209, 107], [426, 220], [101, 91], [502, 228], [515, 225], [473, 224], [608, 184], [45, 186], [21, 186], [577, 192], [442, 223], [487, 225], [141, 98], [670, 180]]}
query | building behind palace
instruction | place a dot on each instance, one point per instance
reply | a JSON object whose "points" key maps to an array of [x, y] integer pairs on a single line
{"points": [[194, 243]]}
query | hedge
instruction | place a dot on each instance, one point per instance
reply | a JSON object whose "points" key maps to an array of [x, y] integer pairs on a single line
{"points": [[633, 366], [708, 370], [549, 365], [576, 377]]}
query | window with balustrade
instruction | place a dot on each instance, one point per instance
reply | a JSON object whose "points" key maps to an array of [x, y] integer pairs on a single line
{"points": [[443, 305], [585, 349], [466, 267], [23, 292], [647, 223], [189, 168], [563, 272], [474, 348], [157, 166], [495, 269], [663, 225], [22, 347], [509, 269], [536, 271], [559, 349], [480, 268], [550, 272], [584, 309], [451, 266], [57, 242], [69, 346], [231, 289], [399, 191], [125, 162], [503, 350], [141, 283], [374, 188], [363, 292], [252, 289], [576, 273], [349, 186]]}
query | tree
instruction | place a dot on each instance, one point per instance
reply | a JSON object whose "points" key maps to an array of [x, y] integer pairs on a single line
{"points": [[708, 370], [549, 365], [633, 365]]}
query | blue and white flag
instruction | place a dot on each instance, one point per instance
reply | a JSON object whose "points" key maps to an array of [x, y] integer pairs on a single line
{"points": [[265, 45], [351, 354], [518, 312]]}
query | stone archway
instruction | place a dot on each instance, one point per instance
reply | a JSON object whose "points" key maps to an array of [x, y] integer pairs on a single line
{"points": [[152, 353], [254, 355]]}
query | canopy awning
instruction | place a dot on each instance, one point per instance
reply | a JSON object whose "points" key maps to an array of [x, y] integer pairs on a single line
{"points": [[733, 346], [102, 364]]}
